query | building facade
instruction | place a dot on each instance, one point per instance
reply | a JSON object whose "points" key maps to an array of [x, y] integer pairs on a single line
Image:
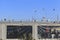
{"points": [[25, 30]]}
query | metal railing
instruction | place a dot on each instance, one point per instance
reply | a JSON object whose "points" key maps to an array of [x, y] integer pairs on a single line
{"points": [[41, 39], [49, 39]]}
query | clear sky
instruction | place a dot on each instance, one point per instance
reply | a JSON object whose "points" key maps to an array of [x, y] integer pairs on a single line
{"points": [[26, 9]]}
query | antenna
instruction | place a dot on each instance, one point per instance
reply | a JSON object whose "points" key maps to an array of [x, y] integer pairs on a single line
{"points": [[33, 17], [54, 10], [43, 9], [35, 11], [57, 17]]}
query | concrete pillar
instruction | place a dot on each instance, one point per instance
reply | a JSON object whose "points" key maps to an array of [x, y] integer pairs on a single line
{"points": [[0, 31], [35, 32], [4, 31]]}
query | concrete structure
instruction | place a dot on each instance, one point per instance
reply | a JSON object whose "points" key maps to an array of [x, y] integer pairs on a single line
{"points": [[34, 24]]}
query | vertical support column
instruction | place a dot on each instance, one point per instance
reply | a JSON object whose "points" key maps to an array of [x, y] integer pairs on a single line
{"points": [[3, 31], [34, 32], [0, 31]]}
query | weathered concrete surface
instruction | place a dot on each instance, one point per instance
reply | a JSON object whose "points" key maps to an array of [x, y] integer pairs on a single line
{"points": [[3, 28]]}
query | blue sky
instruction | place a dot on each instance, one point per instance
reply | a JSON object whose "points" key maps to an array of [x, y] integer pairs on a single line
{"points": [[25, 9]]}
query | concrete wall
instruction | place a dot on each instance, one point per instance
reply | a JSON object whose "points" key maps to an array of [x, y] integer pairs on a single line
{"points": [[3, 29]]}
